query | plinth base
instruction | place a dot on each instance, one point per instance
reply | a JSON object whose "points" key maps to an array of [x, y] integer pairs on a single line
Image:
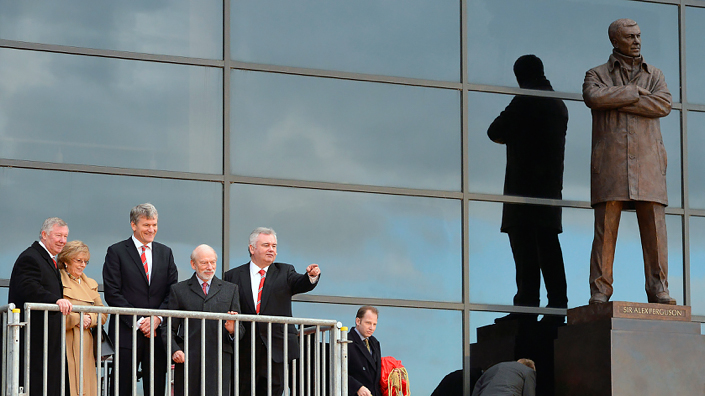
{"points": [[602, 354]]}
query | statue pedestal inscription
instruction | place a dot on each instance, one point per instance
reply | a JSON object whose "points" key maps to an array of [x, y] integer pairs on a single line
{"points": [[621, 348]]}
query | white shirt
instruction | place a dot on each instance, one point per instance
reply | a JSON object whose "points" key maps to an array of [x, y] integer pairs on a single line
{"points": [[147, 253]]}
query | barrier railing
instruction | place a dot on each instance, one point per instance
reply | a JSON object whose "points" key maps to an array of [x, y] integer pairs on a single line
{"points": [[321, 369]]}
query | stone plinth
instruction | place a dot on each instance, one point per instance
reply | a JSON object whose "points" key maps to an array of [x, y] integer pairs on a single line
{"points": [[623, 349]]}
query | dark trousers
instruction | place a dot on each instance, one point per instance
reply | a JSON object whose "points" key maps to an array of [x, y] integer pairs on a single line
{"points": [[260, 370], [652, 227], [537, 251], [143, 364]]}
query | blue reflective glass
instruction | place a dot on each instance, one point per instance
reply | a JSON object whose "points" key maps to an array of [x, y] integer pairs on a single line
{"points": [[695, 53], [491, 254], [569, 36], [487, 160], [176, 27], [436, 337], [109, 112], [367, 245], [345, 131], [696, 159], [97, 209], [697, 265], [406, 38]]}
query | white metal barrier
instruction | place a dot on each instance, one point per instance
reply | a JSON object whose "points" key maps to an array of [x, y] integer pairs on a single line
{"points": [[321, 369]]}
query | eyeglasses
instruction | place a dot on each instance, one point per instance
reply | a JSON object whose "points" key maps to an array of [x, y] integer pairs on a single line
{"points": [[77, 261]]}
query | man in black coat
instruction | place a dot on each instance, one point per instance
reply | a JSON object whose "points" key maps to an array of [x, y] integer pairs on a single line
{"points": [[138, 273], [508, 379], [272, 298], [35, 278], [533, 129], [203, 292], [364, 355]]}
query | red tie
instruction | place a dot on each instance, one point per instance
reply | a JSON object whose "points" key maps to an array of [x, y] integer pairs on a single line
{"points": [[144, 261], [52, 259], [205, 288], [262, 273]]}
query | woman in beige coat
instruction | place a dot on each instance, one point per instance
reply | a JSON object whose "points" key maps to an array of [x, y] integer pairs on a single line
{"points": [[80, 290]]}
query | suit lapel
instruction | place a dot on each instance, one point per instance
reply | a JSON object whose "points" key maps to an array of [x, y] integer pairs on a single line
{"points": [[47, 258], [360, 344], [214, 288], [132, 252], [246, 287], [196, 287]]}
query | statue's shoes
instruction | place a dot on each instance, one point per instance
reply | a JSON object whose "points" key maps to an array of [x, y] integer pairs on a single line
{"points": [[598, 298], [662, 298]]}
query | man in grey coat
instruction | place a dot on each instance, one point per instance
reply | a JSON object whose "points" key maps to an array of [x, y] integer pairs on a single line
{"points": [[508, 379], [203, 292], [628, 167]]}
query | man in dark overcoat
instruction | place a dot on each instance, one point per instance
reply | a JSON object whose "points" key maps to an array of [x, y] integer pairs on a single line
{"points": [[35, 278], [203, 292]]}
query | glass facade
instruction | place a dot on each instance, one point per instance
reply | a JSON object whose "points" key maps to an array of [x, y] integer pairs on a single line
{"points": [[356, 130]]}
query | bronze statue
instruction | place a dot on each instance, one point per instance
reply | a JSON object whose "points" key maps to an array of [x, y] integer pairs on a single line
{"points": [[628, 167]]}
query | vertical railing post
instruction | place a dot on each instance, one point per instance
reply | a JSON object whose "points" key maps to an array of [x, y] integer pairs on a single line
{"points": [[14, 353], [343, 363]]}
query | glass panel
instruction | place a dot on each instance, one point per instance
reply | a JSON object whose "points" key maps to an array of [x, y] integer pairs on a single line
{"points": [[437, 348], [97, 209], [697, 265], [97, 111], [695, 53], [696, 159], [178, 27], [367, 245], [407, 38], [490, 254], [574, 41], [345, 131], [487, 160]]}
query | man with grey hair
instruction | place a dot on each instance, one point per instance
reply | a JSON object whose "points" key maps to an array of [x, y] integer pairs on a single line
{"points": [[138, 273], [273, 298], [627, 97], [35, 278]]}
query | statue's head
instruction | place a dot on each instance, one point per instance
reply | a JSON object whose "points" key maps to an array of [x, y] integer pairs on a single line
{"points": [[625, 37], [528, 68]]}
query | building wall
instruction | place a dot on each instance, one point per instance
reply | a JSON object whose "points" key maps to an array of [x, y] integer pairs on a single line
{"points": [[357, 130]]}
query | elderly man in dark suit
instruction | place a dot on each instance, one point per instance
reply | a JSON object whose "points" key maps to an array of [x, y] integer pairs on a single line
{"points": [[273, 298], [364, 355], [138, 273], [35, 278], [203, 292], [534, 129]]}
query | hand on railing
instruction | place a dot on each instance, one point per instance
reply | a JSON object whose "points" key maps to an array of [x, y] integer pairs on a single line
{"points": [[86, 321], [230, 324], [145, 326], [178, 357], [64, 306]]}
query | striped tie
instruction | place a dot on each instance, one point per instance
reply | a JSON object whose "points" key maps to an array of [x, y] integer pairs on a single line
{"points": [[262, 274], [144, 261]]}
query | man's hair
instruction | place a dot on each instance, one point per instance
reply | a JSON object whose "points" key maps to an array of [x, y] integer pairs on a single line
{"points": [[527, 68], [146, 210], [618, 24], [71, 250], [364, 309], [193, 254], [256, 233], [528, 363], [50, 223]]}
